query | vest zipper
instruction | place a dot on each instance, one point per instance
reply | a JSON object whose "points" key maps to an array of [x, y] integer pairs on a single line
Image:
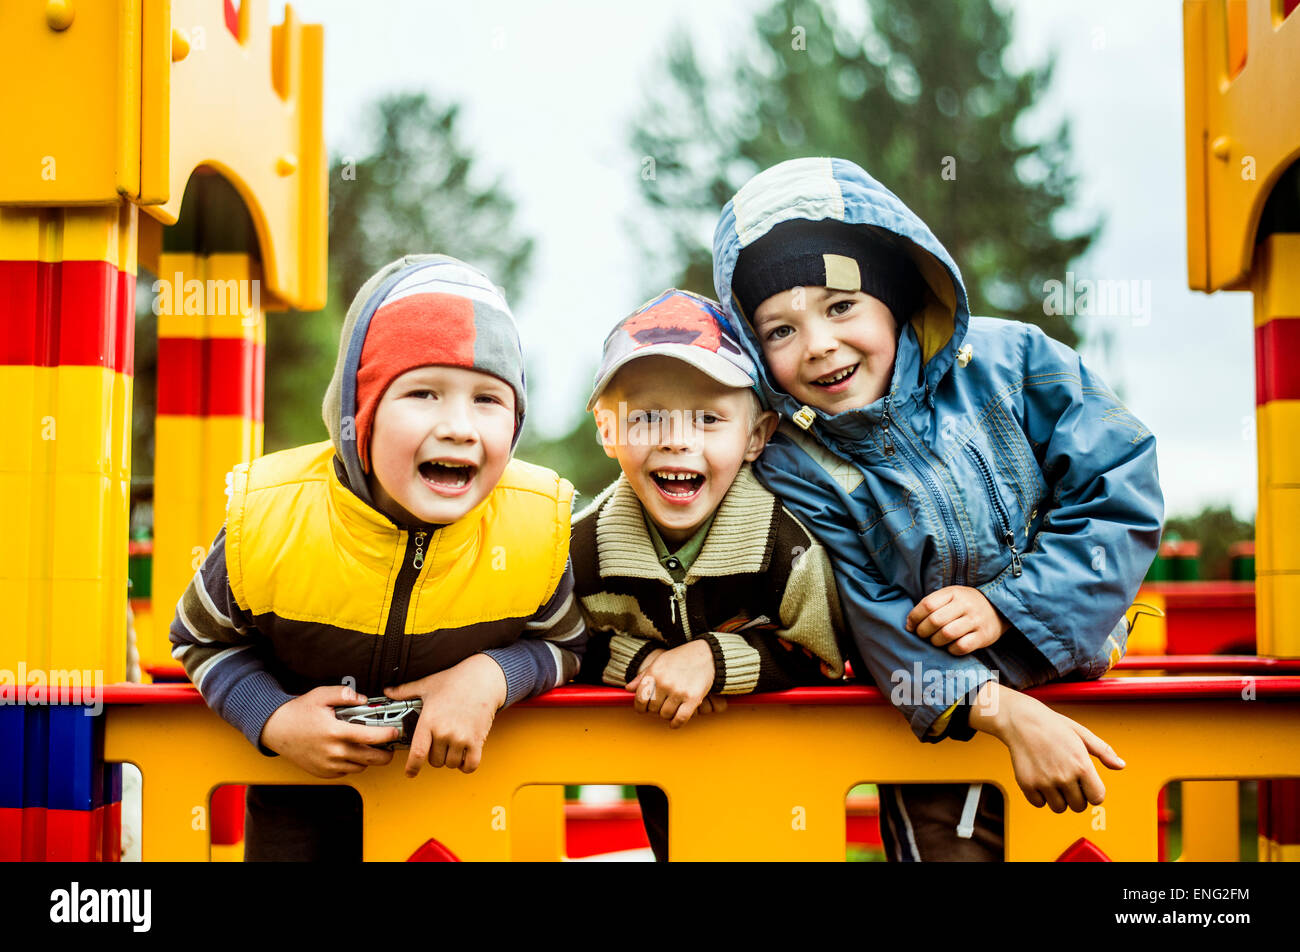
{"points": [[884, 427], [394, 633], [1004, 519]]}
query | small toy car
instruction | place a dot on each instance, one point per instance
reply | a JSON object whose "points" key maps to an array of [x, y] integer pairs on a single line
{"points": [[385, 712]]}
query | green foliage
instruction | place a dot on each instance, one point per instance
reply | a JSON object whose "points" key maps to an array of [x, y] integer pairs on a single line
{"points": [[414, 192], [1215, 528], [918, 88]]}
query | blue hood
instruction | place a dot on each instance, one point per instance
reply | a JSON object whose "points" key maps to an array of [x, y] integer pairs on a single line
{"points": [[817, 189]]}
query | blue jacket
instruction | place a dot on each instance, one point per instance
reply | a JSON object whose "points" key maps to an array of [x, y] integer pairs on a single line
{"points": [[996, 460]]}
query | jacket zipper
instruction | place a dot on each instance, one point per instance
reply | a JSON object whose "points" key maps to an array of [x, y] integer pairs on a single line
{"points": [[679, 599], [394, 634], [956, 540], [1004, 519]]}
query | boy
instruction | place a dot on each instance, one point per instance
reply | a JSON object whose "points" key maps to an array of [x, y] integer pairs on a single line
{"points": [[374, 562], [990, 507], [692, 577]]}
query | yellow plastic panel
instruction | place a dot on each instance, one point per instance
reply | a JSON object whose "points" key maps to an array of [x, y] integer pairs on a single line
{"points": [[75, 137]]}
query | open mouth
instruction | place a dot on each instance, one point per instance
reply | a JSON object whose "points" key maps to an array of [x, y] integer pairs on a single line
{"points": [[678, 485], [836, 378], [446, 476]]}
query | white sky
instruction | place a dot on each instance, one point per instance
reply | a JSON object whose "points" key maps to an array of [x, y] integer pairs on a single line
{"points": [[548, 92]]}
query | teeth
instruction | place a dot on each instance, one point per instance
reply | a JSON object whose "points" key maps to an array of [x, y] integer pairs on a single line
{"points": [[676, 476], [836, 378]]}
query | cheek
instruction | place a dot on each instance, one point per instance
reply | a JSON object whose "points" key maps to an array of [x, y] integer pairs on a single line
{"points": [[784, 364]]}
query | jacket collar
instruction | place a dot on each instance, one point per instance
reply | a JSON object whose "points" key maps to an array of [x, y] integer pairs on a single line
{"points": [[737, 541]]}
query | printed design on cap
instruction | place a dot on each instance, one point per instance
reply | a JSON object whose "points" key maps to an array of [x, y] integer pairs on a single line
{"points": [[677, 319]]}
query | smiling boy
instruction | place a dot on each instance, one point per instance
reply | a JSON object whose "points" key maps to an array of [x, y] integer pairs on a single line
{"points": [[693, 579], [409, 555]]}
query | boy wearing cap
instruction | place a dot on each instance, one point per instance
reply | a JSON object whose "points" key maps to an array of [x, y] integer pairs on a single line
{"points": [[990, 506], [692, 578], [409, 555]]}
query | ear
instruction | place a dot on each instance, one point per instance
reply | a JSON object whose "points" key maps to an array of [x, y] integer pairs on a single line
{"points": [[607, 429], [763, 429]]}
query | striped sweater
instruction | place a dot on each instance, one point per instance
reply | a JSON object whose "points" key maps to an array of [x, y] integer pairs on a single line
{"points": [[760, 579], [307, 585]]}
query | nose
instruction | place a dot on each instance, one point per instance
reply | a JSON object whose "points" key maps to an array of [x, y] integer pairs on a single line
{"points": [[819, 340], [453, 423], [676, 432]]}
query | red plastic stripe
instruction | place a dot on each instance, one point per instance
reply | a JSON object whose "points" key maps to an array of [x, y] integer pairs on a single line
{"points": [[1210, 664], [74, 836], [1277, 360], [67, 313], [11, 834], [1271, 687], [215, 376]]}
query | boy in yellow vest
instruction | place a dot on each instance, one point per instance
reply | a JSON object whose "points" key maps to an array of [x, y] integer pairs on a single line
{"points": [[408, 555]]}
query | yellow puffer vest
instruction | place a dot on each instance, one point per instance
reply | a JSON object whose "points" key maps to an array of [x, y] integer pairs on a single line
{"points": [[343, 593]]}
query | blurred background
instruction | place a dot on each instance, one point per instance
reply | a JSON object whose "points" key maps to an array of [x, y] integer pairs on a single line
{"points": [[580, 152]]}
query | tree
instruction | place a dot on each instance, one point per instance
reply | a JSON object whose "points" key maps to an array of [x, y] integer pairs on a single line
{"points": [[1216, 528], [414, 191], [918, 93]]}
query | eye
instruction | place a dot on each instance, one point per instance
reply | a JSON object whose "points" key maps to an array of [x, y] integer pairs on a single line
{"points": [[842, 306], [421, 394], [708, 419], [779, 333], [489, 398]]}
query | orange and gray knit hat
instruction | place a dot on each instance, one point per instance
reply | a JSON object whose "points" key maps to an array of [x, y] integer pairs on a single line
{"points": [[416, 311]]}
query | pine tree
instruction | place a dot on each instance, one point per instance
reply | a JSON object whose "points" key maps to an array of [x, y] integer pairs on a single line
{"points": [[918, 93]]}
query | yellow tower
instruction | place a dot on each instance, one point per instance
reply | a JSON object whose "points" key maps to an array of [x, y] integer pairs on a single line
{"points": [[121, 118], [1243, 233]]}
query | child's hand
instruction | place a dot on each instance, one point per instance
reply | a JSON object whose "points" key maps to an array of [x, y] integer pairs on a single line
{"points": [[959, 617], [1049, 751], [306, 731], [460, 704], [675, 683]]}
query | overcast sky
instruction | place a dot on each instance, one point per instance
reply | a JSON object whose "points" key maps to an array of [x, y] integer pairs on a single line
{"points": [[548, 91]]}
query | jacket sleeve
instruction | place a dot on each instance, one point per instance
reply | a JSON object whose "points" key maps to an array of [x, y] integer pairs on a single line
{"points": [[223, 652], [923, 682], [549, 651], [1105, 513]]}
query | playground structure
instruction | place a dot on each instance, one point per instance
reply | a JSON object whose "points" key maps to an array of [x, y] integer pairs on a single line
{"points": [[187, 137]]}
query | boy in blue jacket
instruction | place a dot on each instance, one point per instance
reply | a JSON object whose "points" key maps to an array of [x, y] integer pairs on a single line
{"points": [[989, 505]]}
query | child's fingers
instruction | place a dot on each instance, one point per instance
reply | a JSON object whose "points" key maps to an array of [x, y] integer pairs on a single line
{"points": [[1035, 798], [1072, 793], [667, 707], [366, 756], [1094, 791], [1054, 799], [645, 693], [926, 606], [684, 713], [360, 734], [634, 683], [473, 757], [402, 692], [971, 641], [719, 703], [438, 752], [934, 622], [1098, 747], [455, 756], [419, 749]]}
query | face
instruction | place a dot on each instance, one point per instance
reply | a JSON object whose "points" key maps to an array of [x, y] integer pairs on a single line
{"points": [[680, 438], [832, 350], [439, 444]]}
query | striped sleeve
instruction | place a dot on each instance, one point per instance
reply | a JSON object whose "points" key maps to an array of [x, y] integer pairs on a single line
{"points": [[549, 650], [222, 651]]}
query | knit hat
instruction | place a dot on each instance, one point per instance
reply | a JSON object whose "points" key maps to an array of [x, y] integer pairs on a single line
{"points": [[826, 253], [417, 311], [675, 324]]}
